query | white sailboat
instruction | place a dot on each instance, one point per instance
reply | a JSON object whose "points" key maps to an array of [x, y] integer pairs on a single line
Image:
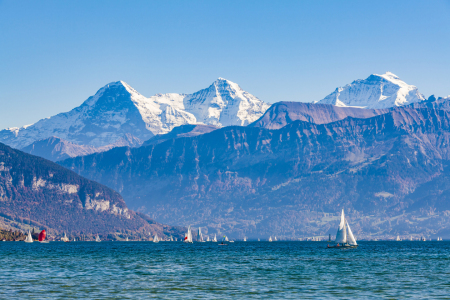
{"points": [[97, 239], [398, 239], [155, 239], [207, 239], [126, 240], [215, 238], [245, 239], [259, 240], [188, 236], [65, 238], [29, 238], [226, 239], [200, 236], [275, 239], [270, 238], [342, 240]]}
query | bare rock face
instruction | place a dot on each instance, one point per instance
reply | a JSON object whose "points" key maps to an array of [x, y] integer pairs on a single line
{"points": [[389, 172], [36, 191]]}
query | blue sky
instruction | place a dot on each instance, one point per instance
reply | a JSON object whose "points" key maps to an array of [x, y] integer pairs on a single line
{"points": [[55, 54]]}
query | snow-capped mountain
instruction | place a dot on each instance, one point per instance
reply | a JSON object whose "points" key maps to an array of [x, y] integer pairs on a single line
{"points": [[223, 103], [117, 110], [377, 91]]}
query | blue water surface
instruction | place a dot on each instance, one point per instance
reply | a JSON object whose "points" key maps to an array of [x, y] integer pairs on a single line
{"points": [[241, 270]]}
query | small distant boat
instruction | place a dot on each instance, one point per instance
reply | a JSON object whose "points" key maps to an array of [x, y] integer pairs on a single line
{"points": [[439, 239], [155, 239], [226, 239], [171, 239], [74, 239], [245, 239], [342, 240], [259, 240], [200, 236], [188, 236], [275, 239], [270, 238], [424, 239], [215, 238], [29, 238], [207, 239], [42, 236], [126, 240], [97, 239], [411, 238], [65, 239], [398, 239]]}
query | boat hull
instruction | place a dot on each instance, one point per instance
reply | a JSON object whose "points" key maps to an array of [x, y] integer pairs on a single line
{"points": [[342, 247]]}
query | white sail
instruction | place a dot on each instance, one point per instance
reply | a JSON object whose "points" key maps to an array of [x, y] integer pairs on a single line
{"points": [[29, 238], [155, 239], [215, 238], [351, 238], [341, 235], [245, 239], [275, 239], [65, 238], [126, 239], [207, 238], [270, 239], [199, 236], [188, 236], [226, 239], [97, 238]]}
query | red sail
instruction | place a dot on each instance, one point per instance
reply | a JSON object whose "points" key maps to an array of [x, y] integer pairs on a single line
{"points": [[42, 235]]}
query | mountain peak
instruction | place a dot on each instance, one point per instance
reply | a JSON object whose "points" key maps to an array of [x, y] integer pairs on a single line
{"points": [[375, 92], [388, 75]]}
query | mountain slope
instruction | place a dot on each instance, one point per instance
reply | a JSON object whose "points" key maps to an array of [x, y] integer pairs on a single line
{"points": [[117, 110], [375, 92], [282, 113], [55, 149], [289, 182], [180, 131], [37, 191]]}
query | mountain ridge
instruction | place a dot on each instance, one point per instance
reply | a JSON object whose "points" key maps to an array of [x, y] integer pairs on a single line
{"points": [[117, 109], [255, 181], [375, 92]]}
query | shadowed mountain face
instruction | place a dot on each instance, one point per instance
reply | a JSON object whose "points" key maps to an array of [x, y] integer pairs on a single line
{"points": [[291, 181], [41, 193], [180, 131], [55, 149], [282, 113]]}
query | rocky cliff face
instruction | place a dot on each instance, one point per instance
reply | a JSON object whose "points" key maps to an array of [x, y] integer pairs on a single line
{"points": [[38, 192], [291, 181]]}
